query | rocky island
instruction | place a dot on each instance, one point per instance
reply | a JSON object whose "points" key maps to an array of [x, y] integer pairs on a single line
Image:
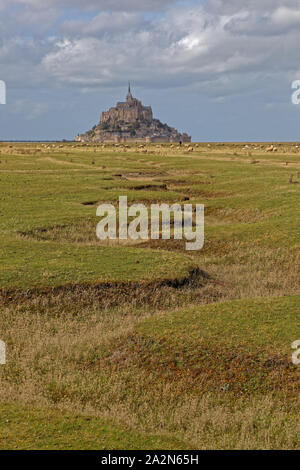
{"points": [[130, 121]]}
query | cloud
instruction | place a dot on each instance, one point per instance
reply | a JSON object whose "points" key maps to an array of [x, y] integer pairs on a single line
{"points": [[204, 46], [101, 23], [230, 7], [286, 17], [35, 20], [189, 45], [106, 5], [218, 51]]}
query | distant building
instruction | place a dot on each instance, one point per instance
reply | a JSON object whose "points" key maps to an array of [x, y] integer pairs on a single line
{"points": [[130, 121]]}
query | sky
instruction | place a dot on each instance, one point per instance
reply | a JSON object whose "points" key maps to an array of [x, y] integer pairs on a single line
{"points": [[220, 70]]}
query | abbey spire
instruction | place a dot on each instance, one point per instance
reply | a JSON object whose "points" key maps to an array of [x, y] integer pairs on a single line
{"points": [[129, 95]]}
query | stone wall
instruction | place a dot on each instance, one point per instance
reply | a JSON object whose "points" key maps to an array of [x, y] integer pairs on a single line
{"points": [[128, 112]]}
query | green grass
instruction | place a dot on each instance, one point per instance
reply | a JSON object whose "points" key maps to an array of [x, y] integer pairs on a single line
{"points": [[249, 324], [28, 264], [118, 357], [40, 193], [33, 429], [245, 344]]}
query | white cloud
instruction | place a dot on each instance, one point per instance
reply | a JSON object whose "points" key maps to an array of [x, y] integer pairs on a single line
{"points": [[35, 20], [222, 51], [193, 46], [101, 23], [98, 5], [285, 17], [230, 7]]}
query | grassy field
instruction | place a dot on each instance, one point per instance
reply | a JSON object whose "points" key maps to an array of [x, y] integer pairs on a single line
{"points": [[142, 344]]}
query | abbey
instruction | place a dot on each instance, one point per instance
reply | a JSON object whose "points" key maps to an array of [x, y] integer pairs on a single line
{"points": [[130, 121]]}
